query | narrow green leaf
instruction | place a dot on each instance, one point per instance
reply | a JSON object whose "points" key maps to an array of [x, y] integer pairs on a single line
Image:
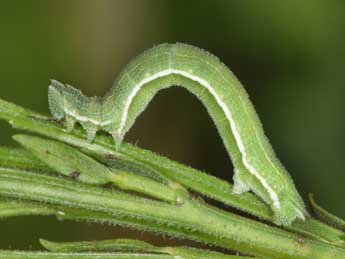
{"points": [[4, 254], [72, 163], [128, 166], [325, 216], [20, 158], [66, 159], [123, 245], [140, 184], [131, 245], [318, 230], [11, 208], [194, 253]]}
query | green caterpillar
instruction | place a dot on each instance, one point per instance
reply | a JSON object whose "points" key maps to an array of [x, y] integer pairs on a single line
{"points": [[255, 163]]}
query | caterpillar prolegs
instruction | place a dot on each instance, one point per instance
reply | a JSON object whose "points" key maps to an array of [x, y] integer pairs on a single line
{"points": [[256, 166]]}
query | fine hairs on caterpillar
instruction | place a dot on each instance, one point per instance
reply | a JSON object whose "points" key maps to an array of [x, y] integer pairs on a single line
{"points": [[256, 166]]}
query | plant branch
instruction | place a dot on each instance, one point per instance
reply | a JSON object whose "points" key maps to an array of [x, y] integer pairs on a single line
{"points": [[48, 255], [192, 179], [136, 246], [227, 230]]}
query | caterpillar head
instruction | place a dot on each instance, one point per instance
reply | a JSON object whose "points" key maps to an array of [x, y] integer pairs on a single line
{"points": [[67, 102], [56, 99]]}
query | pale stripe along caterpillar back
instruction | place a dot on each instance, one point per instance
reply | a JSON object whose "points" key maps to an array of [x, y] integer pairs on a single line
{"points": [[255, 163]]}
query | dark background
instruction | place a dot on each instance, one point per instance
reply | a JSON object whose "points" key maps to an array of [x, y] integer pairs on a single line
{"points": [[289, 55]]}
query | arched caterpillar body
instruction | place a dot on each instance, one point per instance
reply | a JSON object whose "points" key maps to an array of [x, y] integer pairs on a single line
{"points": [[255, 163]]}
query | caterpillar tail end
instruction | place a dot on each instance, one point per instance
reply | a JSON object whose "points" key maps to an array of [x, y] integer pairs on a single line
{"points": [[286, 208], [289, 212]]}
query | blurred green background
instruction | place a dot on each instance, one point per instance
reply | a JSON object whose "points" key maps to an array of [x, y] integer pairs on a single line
{"points": [[290, 56]]}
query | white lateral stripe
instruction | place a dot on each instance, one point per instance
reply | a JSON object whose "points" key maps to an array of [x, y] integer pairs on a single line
{"points": [[220, 102], [86, 119]]}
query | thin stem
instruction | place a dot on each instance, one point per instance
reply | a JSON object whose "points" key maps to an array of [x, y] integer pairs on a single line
{"points": [[130, 245], [10, 208], [48, 255], [326, 216]]}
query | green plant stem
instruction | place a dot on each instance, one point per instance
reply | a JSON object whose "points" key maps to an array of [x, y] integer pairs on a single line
{"points": [[324, 215], [112, 245], [195, 180], [48, 255], [227, 230], [21, 208], [130, 245], [10, 208], [21, 158]]}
